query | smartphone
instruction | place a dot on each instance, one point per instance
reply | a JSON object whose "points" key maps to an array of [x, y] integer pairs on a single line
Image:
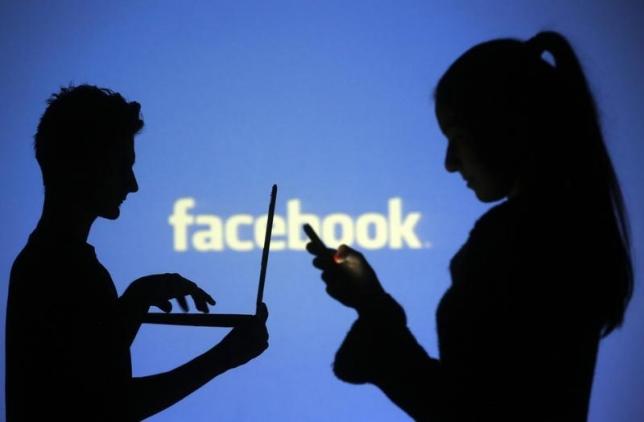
{"points": [[315, 239], [320, 246]]}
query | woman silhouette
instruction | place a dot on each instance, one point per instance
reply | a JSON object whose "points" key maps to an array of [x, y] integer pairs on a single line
{"points": [[543, 275]]}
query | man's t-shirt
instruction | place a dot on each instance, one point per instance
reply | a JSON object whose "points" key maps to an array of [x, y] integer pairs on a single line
{"points": [[66, 358]]}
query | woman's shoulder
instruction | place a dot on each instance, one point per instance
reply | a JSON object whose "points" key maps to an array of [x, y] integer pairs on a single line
{"points": [[529, 229], [532, 214]]}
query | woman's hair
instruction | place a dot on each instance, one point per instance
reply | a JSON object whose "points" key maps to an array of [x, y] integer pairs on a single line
{"points": [[531, 113]]}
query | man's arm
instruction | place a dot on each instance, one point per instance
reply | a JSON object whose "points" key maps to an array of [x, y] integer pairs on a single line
{"points": [[154, 393]]}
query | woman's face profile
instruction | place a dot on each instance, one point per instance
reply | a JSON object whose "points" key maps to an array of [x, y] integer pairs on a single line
{"points": [[463, 156]]}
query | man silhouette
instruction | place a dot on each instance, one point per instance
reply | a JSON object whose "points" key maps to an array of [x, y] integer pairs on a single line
{"points": [[68, 333]]}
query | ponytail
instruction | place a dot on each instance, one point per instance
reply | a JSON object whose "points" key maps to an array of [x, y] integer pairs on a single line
{"points": [[594, 172]]}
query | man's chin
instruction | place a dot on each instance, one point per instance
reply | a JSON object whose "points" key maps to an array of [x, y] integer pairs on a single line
{"points": [[111, 214]]}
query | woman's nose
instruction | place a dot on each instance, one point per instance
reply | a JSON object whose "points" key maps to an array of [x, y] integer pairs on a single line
{"points": [[452, 163]]}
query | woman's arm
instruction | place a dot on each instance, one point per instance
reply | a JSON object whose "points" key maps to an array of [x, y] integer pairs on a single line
{"points": [[380, 349]]}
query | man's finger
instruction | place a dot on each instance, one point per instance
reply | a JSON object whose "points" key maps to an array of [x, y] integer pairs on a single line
{"points": [[200, 302], [165, 306], [201, 299], [183, 303]]}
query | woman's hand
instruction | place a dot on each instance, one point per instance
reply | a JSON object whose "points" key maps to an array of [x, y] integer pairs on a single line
{"points": [[158, 289], [348, 276]]}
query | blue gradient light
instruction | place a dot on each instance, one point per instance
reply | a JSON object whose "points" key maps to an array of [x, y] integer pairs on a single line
{"points": [[330, 100]]}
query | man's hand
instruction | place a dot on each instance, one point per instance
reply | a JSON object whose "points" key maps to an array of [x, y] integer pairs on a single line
{"points": [[246, 341], [158, 289]]}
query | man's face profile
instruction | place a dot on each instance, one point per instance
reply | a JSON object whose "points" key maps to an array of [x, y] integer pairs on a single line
{"points": [[114, 179], [85, 147]]}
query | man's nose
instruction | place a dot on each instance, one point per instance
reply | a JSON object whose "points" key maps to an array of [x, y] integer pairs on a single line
{"points": [[133, 185]]}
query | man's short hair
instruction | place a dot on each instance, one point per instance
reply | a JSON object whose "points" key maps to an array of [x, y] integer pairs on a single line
{"points": [[80, 125]]}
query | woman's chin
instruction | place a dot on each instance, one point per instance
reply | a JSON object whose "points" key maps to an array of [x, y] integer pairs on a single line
{"points": [[487, 196]]}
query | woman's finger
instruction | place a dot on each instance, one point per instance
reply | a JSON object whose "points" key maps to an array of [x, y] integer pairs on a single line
{"points": [[322, 263], [330, 277]]}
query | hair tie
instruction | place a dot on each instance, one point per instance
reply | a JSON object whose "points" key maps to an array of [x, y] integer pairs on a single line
{"points": [[537, 47], [535, 44]]}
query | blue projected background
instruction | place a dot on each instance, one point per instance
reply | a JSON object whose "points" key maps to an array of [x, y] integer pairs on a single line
{"points": [[331, 100]]}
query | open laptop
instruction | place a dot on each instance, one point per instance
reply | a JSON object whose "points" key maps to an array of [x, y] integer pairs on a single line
{"points": [[223, 320]]}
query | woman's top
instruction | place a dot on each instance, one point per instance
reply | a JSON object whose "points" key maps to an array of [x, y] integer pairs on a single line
{"points": [[518, 328]]}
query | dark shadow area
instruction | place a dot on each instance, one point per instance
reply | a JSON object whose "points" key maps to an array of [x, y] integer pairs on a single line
{"points": [[543, 276], [68, 334]]}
